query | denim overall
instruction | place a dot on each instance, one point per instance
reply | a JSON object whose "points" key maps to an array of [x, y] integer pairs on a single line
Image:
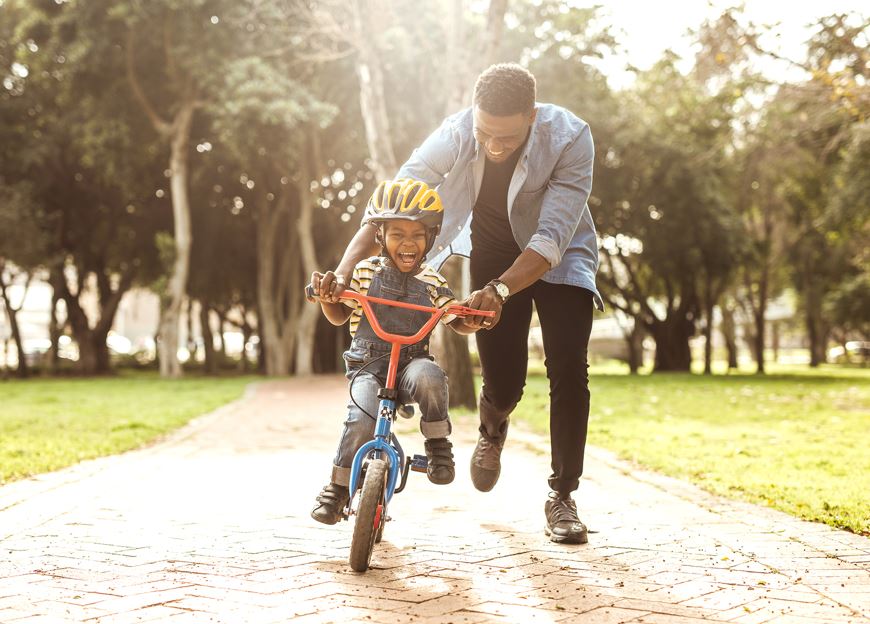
{"points": [[419, 379]]}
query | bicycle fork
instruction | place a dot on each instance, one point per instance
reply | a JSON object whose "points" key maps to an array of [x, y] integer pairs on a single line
{"points": [[376, 448]]}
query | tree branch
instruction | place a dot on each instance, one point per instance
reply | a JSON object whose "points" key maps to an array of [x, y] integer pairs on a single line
{"points": [[639, 294], [162, 126], [171, 69]]}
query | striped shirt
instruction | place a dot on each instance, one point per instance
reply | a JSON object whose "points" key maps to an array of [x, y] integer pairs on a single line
{"points": [[439, 292]]}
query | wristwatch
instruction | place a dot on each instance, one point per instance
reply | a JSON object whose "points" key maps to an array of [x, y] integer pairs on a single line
{"points": [[501, 289]]}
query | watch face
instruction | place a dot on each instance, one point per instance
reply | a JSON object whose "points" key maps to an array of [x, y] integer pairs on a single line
{"points": [[502, 290]]}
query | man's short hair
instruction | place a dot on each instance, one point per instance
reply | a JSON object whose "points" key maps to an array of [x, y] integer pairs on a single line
{"points": [[505, 89]]}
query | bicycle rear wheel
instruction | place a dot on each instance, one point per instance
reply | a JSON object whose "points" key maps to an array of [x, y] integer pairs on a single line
{"points": [[369, 515]]}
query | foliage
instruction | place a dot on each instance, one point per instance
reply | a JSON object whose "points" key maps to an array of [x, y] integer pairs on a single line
{"points": [[848, 307]]}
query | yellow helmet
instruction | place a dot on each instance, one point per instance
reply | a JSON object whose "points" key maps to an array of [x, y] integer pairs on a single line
{"points": [[406, 199]]}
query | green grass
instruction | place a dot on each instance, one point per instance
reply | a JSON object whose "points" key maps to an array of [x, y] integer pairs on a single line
{"points": [[797, 440], [47, 424]]}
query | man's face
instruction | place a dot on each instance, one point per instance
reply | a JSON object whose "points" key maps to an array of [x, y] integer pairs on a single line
{"points": [[501, 136], [405, 242]]}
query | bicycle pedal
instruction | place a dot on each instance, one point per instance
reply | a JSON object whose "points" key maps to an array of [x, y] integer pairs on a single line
{"points": [[419, 463]]}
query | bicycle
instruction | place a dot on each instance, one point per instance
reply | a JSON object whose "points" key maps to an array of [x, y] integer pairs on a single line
{"points": [[380, 462]]}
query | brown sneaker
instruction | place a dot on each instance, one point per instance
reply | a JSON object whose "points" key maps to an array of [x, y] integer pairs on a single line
{"points": [[563, 525], [330, 504], [486, 462]]}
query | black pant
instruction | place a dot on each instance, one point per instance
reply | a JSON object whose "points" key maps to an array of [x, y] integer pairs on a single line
{"points": [[565, 313]]}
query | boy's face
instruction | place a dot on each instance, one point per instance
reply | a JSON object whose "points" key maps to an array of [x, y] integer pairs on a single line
{"points": [[405, 242]]}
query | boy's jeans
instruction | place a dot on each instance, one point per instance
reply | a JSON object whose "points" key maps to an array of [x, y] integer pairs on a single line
{"points": [[421, 381]]}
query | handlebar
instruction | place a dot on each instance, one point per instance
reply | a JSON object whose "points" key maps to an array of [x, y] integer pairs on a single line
{"points": [[455, 310], [397, 340]]}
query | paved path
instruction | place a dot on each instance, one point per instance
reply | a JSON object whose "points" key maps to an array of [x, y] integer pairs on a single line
{"points": [[212, 526]]}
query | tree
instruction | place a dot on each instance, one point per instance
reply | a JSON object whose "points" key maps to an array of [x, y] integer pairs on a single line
{"points": [[85, 214], [825, 112], [183, 94], [665, 226]]}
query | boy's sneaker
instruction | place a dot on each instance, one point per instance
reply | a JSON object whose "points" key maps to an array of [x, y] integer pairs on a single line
{"points": [[440, 467], [563, 525], [330, 504]]}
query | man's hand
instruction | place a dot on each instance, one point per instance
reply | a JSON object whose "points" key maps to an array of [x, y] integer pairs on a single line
{"points": [[483, 299], [328, 286]]}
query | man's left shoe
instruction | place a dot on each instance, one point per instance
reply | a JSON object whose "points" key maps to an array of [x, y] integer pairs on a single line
{"points": [[439, 457], [563, 525]]}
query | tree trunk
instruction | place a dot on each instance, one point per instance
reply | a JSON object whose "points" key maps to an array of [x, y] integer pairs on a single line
{"points": [[12, 315], [729, 334], [177, 286], [759, 340], [759, 317], [373, 104], [457, 64], [306, 330], [276, 321], [192, 347], [775, 338], [451, 350], [672, 343], [634, 340], [818, 338], [244, 365], [5, 365], [309, 313], [708, 338], [55, 331], [93, 350], [494, 30], [211, 363], [222, 347]]}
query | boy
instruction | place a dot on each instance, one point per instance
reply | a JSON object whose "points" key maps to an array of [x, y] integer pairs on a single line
{"points": [[407, 215]]}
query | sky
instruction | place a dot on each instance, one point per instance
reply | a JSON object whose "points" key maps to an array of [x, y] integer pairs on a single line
{"points": [[645, 29]]}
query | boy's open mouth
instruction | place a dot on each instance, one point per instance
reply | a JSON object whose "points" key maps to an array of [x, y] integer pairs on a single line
{"points": [[407, 259]]}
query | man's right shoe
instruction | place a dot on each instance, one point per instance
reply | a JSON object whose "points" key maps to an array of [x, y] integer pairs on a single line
{"points": [[563, 525], [486, 462], [330, 504]]}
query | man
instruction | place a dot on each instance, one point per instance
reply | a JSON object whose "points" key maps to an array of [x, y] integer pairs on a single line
{"points": [[514, 177]]}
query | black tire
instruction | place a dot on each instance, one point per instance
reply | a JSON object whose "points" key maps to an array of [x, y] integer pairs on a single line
{"points": [[369, 515]]}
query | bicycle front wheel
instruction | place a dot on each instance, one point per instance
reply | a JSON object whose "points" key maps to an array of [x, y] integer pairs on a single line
{"points": [[369, 516]]}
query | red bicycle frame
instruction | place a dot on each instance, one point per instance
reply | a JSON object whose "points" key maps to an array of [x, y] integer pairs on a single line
{"points": [[397, 340]]}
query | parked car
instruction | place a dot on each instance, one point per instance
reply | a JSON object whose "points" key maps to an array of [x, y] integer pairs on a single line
{"points": [[853, 352]]}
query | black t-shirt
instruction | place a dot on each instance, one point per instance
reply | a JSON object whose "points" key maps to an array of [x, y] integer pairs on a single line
{"points": [[490, 228]]}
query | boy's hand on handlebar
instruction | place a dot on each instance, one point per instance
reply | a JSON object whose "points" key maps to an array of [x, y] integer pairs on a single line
{"points": [[485, 299], [328, 286]]}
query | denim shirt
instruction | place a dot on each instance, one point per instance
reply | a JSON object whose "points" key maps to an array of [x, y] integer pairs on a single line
{"points": [[547, 195]]}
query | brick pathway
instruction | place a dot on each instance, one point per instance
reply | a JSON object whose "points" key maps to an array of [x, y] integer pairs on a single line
{"points": [[212, 526]]}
